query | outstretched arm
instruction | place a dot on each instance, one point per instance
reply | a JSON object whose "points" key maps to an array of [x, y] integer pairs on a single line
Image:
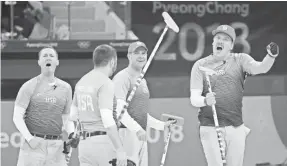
{"points": [[254, 67]]}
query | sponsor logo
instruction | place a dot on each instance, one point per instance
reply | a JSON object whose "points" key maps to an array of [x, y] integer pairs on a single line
{"points": [[40, 45]]}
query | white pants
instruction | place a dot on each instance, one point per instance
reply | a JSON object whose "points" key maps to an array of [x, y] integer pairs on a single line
{"points": [[48, 153], [234, 139], [136, 150], [96, 151]]}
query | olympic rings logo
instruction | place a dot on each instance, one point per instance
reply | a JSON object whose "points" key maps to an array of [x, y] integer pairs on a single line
{"points": [[84, 44]]}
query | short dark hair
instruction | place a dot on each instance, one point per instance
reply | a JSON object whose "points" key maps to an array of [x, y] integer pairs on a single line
{"points": [[103, 54]]}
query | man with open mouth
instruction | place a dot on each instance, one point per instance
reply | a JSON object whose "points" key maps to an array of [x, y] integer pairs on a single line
{"points": [[135, 120], [229, 71], [40, 114]]}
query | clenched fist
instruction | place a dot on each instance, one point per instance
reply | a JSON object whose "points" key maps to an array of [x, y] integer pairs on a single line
{"points": [[121, 158], [74, 142], [273, 49], [169, 123], [210, 99]]}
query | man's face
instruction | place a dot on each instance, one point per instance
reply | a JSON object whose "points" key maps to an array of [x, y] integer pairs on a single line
{"points": [[139, 57], [222, 44], [48, 60]]}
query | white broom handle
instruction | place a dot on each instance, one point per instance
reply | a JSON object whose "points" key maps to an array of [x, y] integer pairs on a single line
{"points": [[165, 148]]}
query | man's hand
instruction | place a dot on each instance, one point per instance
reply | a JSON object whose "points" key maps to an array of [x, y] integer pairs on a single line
{"points": [[210, 99], [35, 142], [169, 122], [141, 134], [121, 158], [73, 142], [67, 152], [68, 157], [273, 49]]}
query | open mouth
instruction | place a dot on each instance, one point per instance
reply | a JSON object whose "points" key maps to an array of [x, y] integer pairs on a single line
{"points": [[48, 64], [219, 48]]}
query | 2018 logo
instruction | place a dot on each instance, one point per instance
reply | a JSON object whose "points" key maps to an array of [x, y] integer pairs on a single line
{"points": [[177, 135], [15, 140]]}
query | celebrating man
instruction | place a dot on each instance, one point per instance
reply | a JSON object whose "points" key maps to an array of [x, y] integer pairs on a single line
{"points": [[137, 118], [41, 108], [227, 82]]}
